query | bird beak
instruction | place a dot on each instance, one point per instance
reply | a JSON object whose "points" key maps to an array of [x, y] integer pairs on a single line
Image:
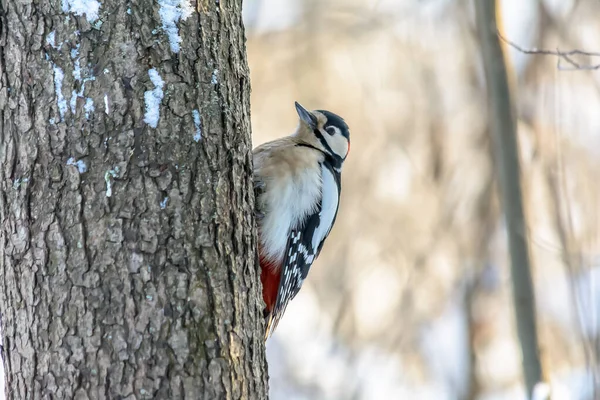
{"points": [[306, 116]]}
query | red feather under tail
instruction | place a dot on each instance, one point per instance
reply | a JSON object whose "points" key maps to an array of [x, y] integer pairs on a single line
{"points": [[269, 276]]}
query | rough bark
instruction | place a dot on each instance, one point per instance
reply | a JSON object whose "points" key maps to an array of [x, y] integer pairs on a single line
{"points": [[503, 127], [127, 254]]}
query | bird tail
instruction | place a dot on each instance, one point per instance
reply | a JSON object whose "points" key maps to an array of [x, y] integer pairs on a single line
{"points": [[268, 331]]}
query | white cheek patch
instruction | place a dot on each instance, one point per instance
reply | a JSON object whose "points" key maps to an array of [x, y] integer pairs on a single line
{"points": [[337, 142]]}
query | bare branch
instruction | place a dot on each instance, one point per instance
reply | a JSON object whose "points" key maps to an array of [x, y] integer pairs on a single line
{"points": [[562, 55]]}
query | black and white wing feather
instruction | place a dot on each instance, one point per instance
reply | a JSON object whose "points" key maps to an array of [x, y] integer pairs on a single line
{"points": [[305, 242]]}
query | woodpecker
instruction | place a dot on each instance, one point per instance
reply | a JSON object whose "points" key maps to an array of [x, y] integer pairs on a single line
{"points": [[297, 184]]}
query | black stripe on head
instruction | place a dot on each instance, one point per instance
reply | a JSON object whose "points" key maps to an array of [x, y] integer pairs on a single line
{"points": [[334, 162], [330, 157]]}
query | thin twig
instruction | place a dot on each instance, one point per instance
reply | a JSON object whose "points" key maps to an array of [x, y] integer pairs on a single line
{"points": [[562, 55]]}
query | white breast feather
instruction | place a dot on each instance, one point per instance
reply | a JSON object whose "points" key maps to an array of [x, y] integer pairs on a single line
{"points": [[290, 201]]}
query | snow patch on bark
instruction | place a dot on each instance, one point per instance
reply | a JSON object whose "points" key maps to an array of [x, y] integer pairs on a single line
{"points": [[51, 40], [197, 124], [111, 173], [106, 110], [77, 66], [153, 98], [89, 8], [171, 12], [60, 99], [88, 107], [163, 203], [77, 75], [80, 164]]}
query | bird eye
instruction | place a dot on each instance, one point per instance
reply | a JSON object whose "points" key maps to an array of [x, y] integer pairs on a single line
{"points": [[331, 130]]}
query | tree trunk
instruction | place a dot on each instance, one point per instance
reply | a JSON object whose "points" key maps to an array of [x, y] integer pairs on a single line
{"points": [[504, 132], [127, 248]]}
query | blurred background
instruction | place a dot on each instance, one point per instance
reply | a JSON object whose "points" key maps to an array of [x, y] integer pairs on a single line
{"points": [[411, 297]]}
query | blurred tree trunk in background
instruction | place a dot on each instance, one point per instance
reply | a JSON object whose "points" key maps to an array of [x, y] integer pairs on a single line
{"points": [[503, 126], [127, 252]]}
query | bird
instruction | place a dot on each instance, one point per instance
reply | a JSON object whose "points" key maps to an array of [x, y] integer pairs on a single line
{"points": [[297, 187]]}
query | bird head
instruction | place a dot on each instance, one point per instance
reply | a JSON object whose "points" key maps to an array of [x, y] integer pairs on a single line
{"points": [[326, 131]]}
